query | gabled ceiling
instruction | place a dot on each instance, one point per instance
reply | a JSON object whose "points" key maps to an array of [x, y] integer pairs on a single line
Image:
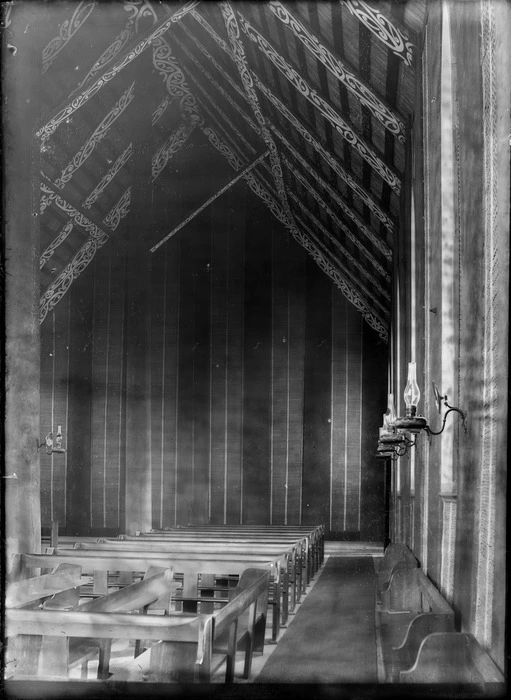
{"points": [[309, 102]]}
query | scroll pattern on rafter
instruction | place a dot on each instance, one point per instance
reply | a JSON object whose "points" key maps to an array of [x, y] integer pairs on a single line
{"points": [[97, 239], [118, 211], [383, 28], [99, 133], [332, 162], [169, 69], [62, 235], [336, 220], [364, 272], [344, 129], [172, 145], [224, 94], [160, 110], [59, 287], [66, 32], [363, 92], [121, 160], [48, 129]]}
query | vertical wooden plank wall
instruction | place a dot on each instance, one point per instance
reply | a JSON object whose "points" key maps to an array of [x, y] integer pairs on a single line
{"points": [[260, 372]]}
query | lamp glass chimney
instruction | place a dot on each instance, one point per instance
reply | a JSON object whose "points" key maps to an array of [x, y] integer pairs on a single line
{"points": [[412, 392]]}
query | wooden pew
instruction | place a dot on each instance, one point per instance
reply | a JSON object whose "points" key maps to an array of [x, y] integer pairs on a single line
{"points": [[411, 609], [53, 656], [189, 566], [453, 657], [289, 552], [186, 643], [61, 586]]}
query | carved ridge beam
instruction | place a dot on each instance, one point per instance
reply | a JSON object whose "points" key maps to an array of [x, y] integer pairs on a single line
{"points": [[83, 94], [367, 152], [167, 65], [384, 113], [386, 30], [342, 172]]}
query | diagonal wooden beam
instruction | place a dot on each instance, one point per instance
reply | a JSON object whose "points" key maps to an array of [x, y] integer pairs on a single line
{"points": [[346, 175], [323, 52], [85, 92], [386, 30], [210, 200], [367, 152]]}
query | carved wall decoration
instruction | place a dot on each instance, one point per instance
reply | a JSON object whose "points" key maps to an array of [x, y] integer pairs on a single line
{"points": [[80, 99], [62, 235], [160, 110], [381, 111], [119, 211], [121, 160], [99, 133], [66, 32], [172, 145], [383, 28], [345, 130], [336, 220]]}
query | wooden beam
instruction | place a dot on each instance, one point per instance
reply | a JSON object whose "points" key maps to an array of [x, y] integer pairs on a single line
{"points": [[210, 200], [85, 92], [322, 51], [387, 172], [389, 32]]}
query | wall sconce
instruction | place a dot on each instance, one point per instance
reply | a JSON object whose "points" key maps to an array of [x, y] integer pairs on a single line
{"points": [[53, 443], [413, 423]]}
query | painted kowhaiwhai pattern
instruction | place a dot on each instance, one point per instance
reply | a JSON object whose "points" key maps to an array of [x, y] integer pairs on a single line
{"points": [[67, 31], [161, 109], [49, 196], [96, 137], [79, 100], [383, 28], [166, 64], [62, 235], [105, 181], [344, 129], [119, 211], [172, 145], [363, 92]]}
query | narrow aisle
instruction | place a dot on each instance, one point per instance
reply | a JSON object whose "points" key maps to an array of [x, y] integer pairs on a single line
{"points": [[333, 637]]}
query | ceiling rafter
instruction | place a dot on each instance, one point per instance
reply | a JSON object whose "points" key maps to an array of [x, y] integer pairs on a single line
{"points": [[168, 67], [67, 30], [119, 211], [119, 163], [175, 141], [161, 109], [87, 90], [97, 238], [391, 119], [96, 137], [60, 238], [345, 174], [388, 31], [340, 224], [367, 152]]}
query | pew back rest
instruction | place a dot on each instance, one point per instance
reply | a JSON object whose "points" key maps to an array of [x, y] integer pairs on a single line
{"points": [[65, 578], [252, 588], [411, 590], [394, 553]]}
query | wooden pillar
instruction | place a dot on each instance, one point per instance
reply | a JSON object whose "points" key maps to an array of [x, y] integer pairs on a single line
{"points": [[21, 73]]}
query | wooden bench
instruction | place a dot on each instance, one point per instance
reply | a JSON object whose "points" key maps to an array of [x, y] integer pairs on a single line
{"points": [[102, 562], [396, 556], [188, 648], [53, 656], [453, 657], [61, 585], [411, 609]]}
